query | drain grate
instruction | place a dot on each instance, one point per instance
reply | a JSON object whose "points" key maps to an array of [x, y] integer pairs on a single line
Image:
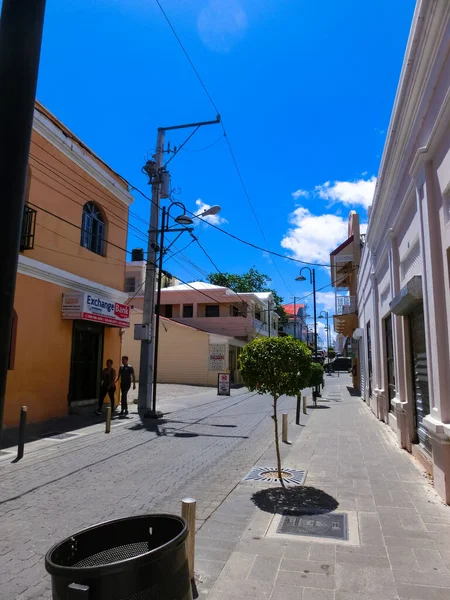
{"points": [[315, 524], [270, 475]]}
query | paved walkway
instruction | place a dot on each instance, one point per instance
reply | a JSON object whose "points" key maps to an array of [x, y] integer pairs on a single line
{"points": [[399, 530], [202, 448]]}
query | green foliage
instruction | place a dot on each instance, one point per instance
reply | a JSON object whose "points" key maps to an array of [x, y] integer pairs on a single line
{"points": [[276, 366], [316, 376], [331, 353], [252, 281]]}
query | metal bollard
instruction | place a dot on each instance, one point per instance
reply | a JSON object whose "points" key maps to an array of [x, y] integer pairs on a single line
{"points": [[304, 405], [297, 412], [188, 506], [108, 420], [22, 427], [77, 592], [284, 429]]}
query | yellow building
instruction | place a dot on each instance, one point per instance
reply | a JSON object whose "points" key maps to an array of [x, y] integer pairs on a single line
{"points": [[186, 354], [73, 244]]}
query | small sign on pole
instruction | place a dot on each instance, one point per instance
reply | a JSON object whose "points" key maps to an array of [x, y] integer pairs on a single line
{"points": [[223, 384]]}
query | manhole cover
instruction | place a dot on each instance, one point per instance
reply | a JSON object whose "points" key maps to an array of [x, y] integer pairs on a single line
{"points": [[61, 436], [270, 475], [320, 524]]}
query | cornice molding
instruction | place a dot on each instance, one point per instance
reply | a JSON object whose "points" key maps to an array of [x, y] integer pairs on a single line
{"points": [[65, 279], [50, 132]]}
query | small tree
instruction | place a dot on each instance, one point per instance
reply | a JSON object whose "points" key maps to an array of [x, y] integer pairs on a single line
{"points": [[331, 353], [277, 366], [316, 379]]}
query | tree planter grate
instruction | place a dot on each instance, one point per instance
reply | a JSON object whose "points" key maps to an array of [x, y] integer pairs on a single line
{"points": [[270, 475]]}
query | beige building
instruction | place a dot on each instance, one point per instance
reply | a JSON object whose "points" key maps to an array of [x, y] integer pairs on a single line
{"points": [[186, 354], [203, 328]]}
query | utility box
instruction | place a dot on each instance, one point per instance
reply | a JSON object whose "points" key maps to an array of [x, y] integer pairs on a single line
{"points": [[165, 184], [143, 331]]}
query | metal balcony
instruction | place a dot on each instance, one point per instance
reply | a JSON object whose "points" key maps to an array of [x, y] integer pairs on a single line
{"points": [[28, 229]]}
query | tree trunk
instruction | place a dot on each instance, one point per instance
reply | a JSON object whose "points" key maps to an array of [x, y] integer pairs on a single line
{"points": [[277, 440]]}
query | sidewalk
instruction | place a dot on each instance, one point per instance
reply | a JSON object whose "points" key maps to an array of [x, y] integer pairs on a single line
{"points": [[398, 544]]}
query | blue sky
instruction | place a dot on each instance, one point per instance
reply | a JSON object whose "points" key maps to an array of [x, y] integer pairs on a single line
{"points": [[305, 90]]}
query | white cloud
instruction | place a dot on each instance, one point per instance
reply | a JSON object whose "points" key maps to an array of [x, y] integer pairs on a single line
{"points": [[363, 227], [349, 193], [214, 219], [323, 334], [221, 24], [326, 300], [300, 194], [313, 237]]}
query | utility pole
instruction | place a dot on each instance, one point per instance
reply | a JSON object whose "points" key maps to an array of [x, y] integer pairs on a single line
{"points": [[295, 319], [153, 169], [156, 172], [21, 25]]}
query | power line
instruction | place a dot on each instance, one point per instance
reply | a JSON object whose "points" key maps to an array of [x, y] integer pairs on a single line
{"points": [[227, 233], [116, 246], [188, 58], [227, 139]]}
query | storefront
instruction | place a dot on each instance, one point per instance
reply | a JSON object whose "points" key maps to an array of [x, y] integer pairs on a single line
{"points": [[409, 304], [91, 315]]}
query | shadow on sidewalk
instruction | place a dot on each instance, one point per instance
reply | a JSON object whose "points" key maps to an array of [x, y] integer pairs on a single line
{"points": [[56, 426], [353, 391], [291, 501], [164, 428]]}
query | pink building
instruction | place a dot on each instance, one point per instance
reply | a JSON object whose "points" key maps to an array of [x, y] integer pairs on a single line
{"points": [[404, 279]]}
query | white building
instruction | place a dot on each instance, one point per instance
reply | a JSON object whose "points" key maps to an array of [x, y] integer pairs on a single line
{"points": [[404, 281]]}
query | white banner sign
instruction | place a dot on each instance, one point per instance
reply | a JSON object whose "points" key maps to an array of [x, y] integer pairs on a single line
{"points": [[92, 307]]}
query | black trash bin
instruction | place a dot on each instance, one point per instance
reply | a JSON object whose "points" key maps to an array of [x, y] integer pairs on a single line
{"points": [[138, 558]]}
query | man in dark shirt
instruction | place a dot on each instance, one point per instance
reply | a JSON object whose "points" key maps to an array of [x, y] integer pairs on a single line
{"points": [[126, 376]]}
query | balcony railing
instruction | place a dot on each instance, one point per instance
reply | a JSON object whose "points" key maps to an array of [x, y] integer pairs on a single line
{"points": [[28, 229], [345, 305]]}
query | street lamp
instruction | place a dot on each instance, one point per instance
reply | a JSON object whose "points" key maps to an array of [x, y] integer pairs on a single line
{"points": [[312, 277], [213, 210], [184, 220], [324, 315]]}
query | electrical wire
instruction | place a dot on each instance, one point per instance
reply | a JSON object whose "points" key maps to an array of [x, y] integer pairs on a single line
{"points": [[116, 246], [205, 148], [224, 231], [227, 139]]}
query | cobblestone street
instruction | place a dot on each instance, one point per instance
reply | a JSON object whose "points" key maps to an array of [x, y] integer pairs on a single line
{"points": [[203, 451]]}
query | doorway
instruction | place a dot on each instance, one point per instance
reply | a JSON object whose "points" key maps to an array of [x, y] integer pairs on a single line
{"points": [[390, 360], [369, 359], [86, 361], [420, 375]]}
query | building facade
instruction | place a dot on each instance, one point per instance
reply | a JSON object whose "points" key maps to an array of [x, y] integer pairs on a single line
{"points": [[187, 355], [344, 262], [220, 310], [216, 318], [296, 325], [404, 279], [69, 302]]}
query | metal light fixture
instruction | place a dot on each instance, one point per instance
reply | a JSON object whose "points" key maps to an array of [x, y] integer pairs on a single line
{"points": [[184, 219], [300, 278], [212, 210]]}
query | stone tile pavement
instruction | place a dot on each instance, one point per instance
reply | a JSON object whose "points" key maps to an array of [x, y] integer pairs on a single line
{"points": [[399, 544]]}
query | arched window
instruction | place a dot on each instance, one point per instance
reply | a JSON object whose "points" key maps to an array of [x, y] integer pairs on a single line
{"points": [[93, 229]]}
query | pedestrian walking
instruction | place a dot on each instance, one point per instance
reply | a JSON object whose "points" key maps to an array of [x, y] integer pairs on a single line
{"points": [[107, 386], [126, 376]]}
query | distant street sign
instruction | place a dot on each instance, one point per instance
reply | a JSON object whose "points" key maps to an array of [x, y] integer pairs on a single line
{"points": [[223, 384]]}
